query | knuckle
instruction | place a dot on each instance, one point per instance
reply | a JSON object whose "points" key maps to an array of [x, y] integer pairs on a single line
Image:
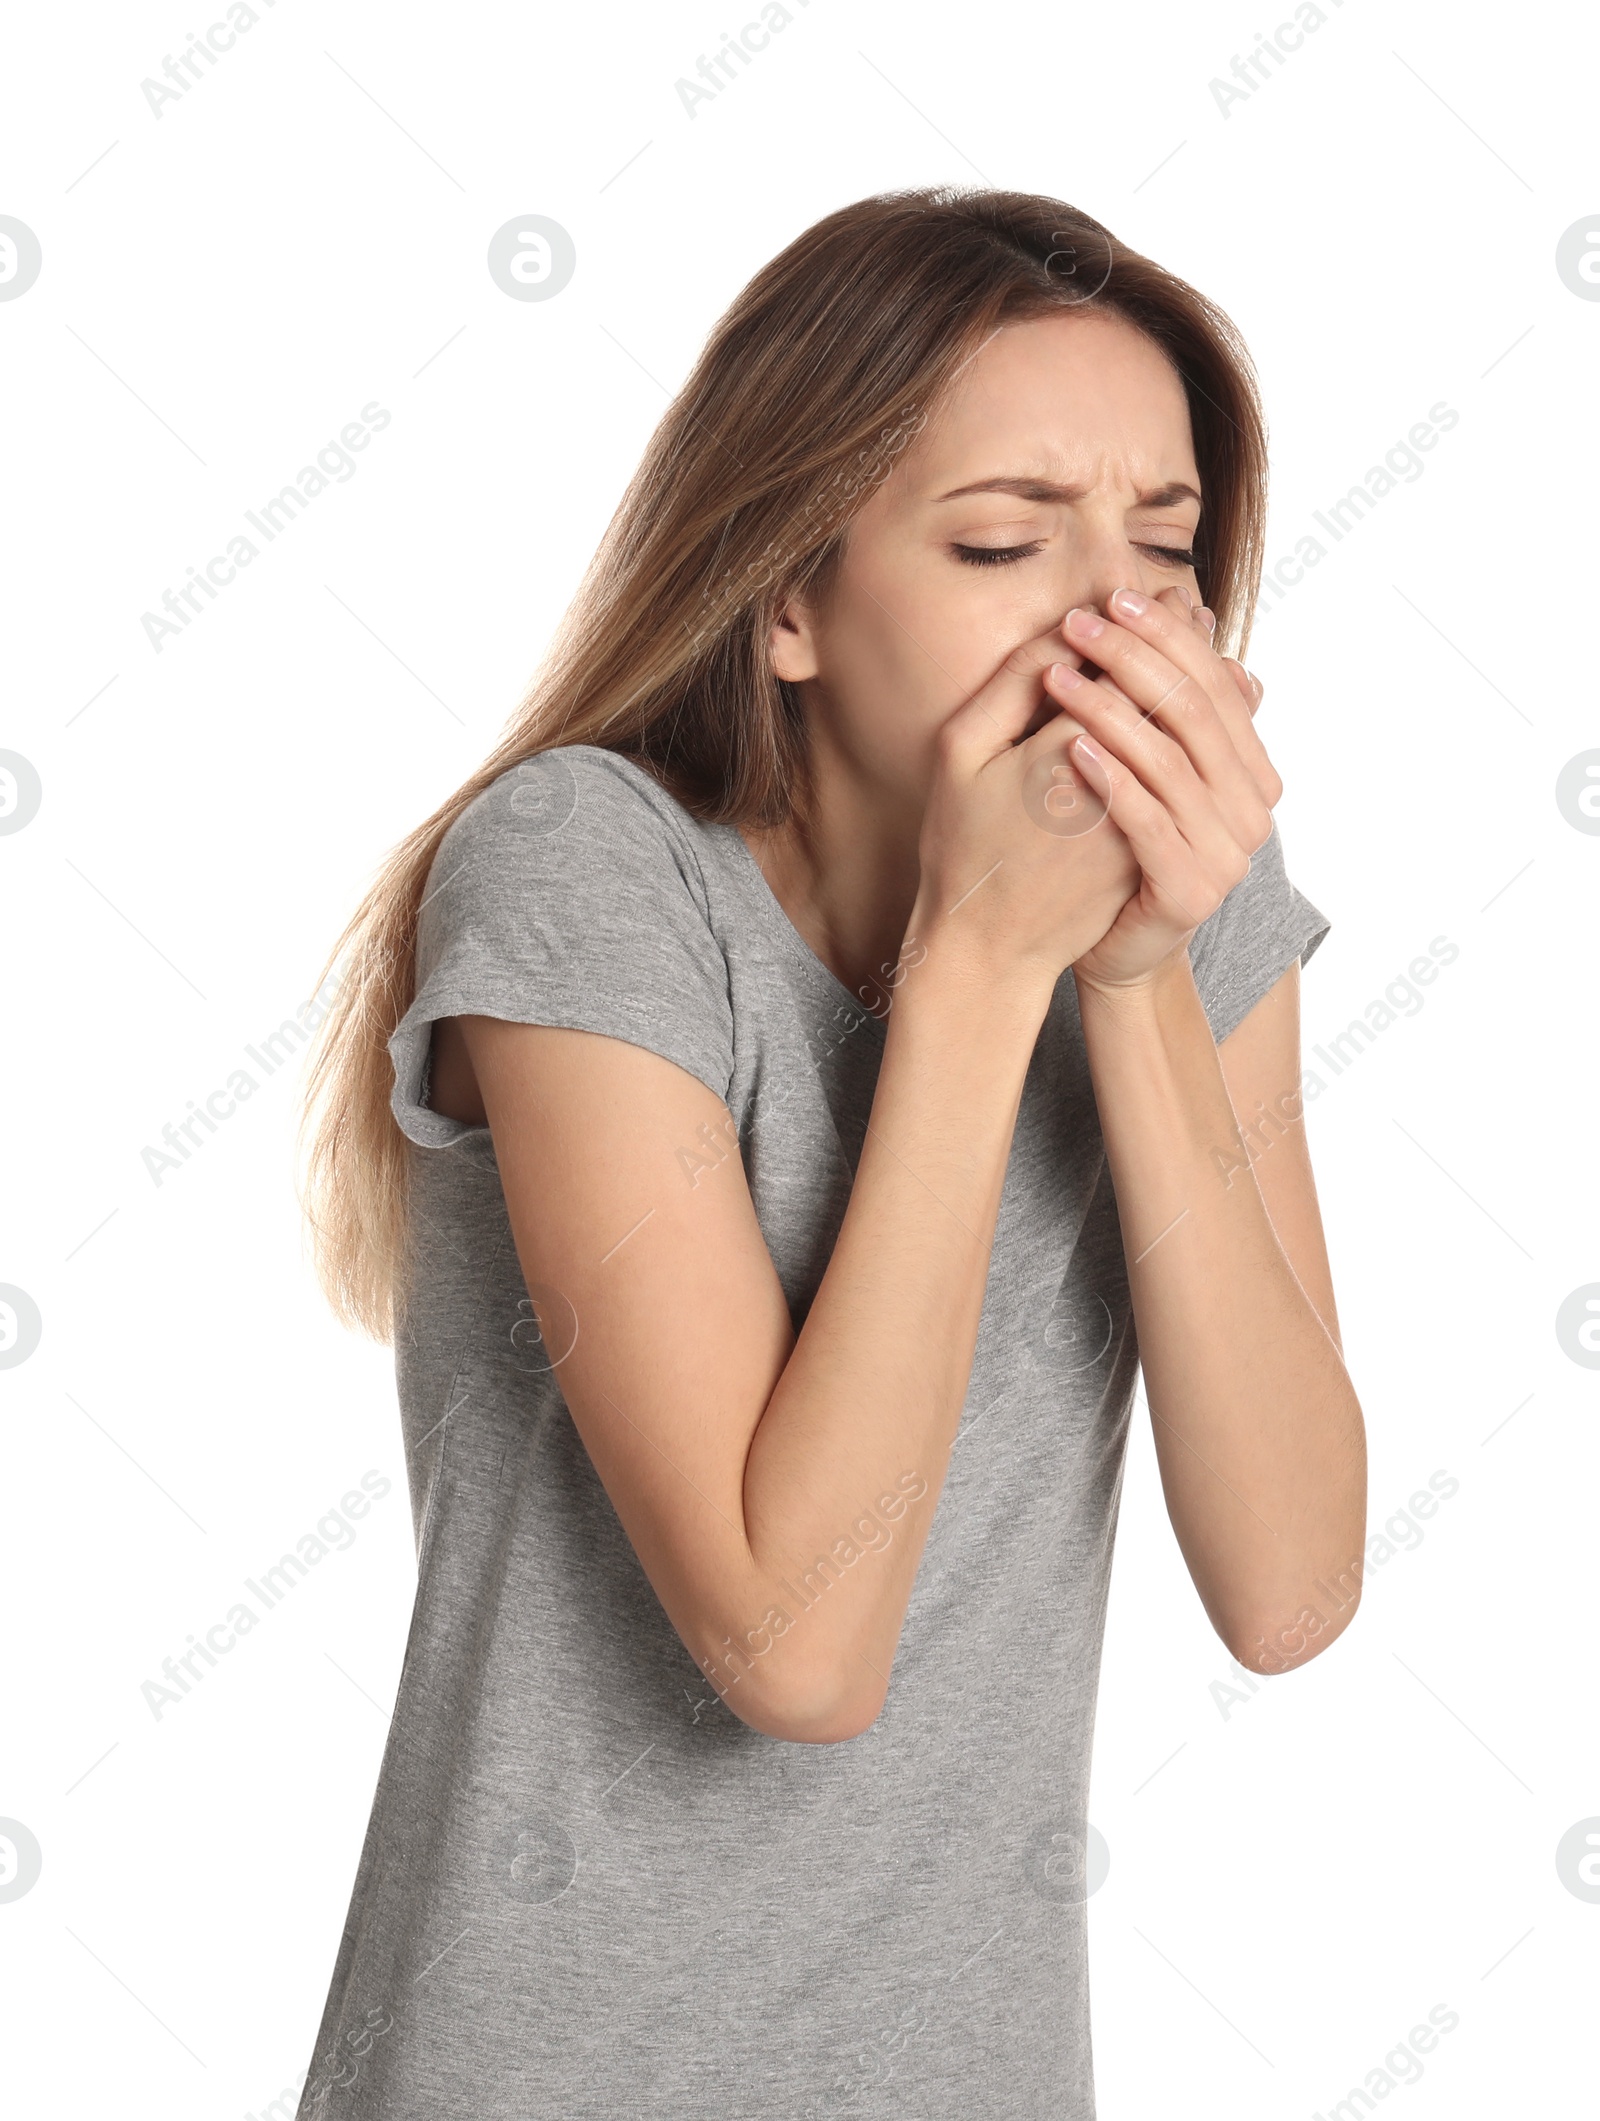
{"points": [[1170, 755], [1190, 696], [1032, 656], [1154, 818], [1210, 901], [1162, 760], [948, 741], [1161, 752], [1186, 700]]}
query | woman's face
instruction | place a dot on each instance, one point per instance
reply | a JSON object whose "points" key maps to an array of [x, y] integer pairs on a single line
{"points": [[1059, 468]]}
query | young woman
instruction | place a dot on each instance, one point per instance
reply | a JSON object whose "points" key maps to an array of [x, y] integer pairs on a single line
{"points": [[770, 1230]]}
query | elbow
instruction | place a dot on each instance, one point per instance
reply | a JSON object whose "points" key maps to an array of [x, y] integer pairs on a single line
{"points": [[834, 1726], [805, 1705], [1266, 1649]]}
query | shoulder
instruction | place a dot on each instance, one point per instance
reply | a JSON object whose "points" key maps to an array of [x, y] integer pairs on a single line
{"points": [[571, 799], [569, 893], [575, 871], [582, 822]]}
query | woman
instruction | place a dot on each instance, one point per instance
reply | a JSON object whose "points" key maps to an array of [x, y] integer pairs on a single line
{"points": [[767, 1219]]}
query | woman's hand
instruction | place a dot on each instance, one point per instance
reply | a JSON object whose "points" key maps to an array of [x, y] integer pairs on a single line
{"points": [[1174, 758], [1021, 869]]}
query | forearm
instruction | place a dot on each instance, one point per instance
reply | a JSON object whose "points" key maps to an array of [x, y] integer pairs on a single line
{"points": [[1257, 1428], [864, 1415]]}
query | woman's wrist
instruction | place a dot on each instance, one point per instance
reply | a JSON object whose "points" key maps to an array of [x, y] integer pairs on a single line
{"points": [[961, 974], [1172, 975]]}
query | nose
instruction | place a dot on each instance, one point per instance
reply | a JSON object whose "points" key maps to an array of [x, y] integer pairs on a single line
{"points": [[1114, 564]]}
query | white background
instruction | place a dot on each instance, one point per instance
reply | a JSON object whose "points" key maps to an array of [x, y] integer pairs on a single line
{"points": [[1296, 1876]]}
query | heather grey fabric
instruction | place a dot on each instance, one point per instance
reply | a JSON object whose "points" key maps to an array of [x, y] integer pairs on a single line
{"points": [[587, 1889]]}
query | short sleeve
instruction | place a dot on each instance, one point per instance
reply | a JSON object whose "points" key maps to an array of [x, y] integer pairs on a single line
{"points": [[1241, 952], [568, 893]]}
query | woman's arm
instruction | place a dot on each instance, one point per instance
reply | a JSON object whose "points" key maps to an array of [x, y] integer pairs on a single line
{"points": [[778, 1489], [1258, 1431], [1262, 1068], [1257, 1426]]}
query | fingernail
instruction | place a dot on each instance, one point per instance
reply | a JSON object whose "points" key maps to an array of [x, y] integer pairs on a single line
{"points": [[1092, 766], [1130, 601], [1084, 623], [1207, 618], [1066, 677], [1256, 685]]}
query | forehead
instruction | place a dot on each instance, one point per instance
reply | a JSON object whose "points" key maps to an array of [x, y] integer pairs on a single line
{"points": [[1071, 396]]}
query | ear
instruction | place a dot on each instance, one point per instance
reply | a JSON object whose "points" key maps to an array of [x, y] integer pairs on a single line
{"points": [[792, 644]]}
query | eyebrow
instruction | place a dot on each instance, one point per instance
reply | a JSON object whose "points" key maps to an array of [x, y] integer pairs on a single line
{"points": [[1032, 489]]}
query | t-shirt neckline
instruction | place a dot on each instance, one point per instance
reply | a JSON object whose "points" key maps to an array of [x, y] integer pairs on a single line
{"points": [[789, 934]]}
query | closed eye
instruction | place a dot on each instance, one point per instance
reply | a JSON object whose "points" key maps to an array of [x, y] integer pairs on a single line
{"points": [[1004, 555]]}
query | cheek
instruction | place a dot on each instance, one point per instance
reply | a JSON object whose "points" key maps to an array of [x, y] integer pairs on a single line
{"points": [[894, 651], [914, 637]]}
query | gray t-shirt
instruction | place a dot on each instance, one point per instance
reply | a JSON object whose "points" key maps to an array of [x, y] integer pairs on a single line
{"points": [[587, 1888]]}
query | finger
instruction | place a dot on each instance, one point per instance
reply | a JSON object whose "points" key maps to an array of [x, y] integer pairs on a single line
{"points": [[1179, 680], [1206, 620], [999, 712], [1185, 608], [1177, 883], [1054, 646], [1249, 685], [1158, 761], [1179, 599], [1054, 792], [1196, 667]]}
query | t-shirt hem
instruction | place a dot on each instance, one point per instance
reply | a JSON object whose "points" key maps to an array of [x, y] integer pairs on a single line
{"points": [[410, 1047], [1296, 944]]}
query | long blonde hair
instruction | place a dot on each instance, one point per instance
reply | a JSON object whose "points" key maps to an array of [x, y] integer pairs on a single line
{"points": [[809, 387]]}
